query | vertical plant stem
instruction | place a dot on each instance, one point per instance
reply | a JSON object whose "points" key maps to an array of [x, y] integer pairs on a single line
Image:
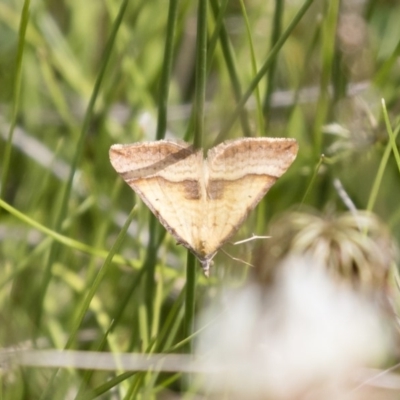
{"points": [[229, 57], [260, 131], [276, 32], [261, 126], [328, 48], [166, 70], [191, 272], [254, 83], [16, 94], [152, 248], [219, 12], [201, 72]]}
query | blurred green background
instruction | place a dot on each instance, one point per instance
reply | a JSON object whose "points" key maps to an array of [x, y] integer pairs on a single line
{"points": [[321, 82]]}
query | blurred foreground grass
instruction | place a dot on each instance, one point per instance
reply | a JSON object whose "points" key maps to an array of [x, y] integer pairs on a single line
{"points": [[86, 75]]}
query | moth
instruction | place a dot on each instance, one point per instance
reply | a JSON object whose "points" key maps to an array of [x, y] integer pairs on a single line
{"points": [[201, 201]]}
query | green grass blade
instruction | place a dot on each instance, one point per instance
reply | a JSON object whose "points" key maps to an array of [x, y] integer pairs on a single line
{"points": [[263, 70], [16, 96], [61, 239], [276, 32], [380, 173], [191, 272], [166, 69], [77, 157], [328, 53], [150, 261], [198, 124], [392, 136], [260, 117], [231, 65], [92, 291]]}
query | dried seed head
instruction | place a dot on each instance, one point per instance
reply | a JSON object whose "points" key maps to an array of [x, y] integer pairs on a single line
{"points": [[356, 249]]}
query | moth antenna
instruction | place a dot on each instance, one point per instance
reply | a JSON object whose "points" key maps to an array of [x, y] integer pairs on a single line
{"points": [[253, 237], [237, 259]]}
